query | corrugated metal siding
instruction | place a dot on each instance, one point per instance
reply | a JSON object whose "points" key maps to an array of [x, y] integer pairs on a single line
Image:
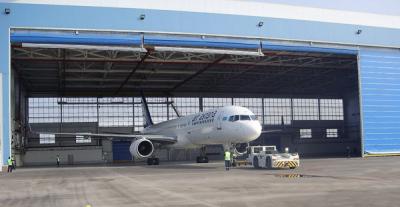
{"points": [[380, 90], [121, 151]]}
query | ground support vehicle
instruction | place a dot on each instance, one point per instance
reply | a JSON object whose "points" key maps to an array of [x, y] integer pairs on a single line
{"points": [[269, 157]]}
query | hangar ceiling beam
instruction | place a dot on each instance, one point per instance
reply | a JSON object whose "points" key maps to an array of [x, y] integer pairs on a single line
{"points": [[232, 76], [94, 87], [42, 79], [199, 72], [281, 73], [303, 54], [47, 53], [279, 64], [108, 65], [76, 70], [132, 72], [284, 59], [298, 83], [283, 63]]}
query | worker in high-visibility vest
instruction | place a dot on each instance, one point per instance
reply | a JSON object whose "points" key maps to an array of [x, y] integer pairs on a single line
{"points": [[227, 156], [10, 165], [14, 164], [58, 160]]}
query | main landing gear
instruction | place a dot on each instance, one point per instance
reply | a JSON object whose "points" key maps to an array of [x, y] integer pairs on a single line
{"points": [[153, 161], [202, 158]]}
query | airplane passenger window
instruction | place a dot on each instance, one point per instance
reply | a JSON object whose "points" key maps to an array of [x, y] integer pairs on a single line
{"points": [[245, 117]]}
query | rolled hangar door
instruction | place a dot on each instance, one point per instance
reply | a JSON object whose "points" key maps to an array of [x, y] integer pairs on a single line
{"points": [[379, 73]]}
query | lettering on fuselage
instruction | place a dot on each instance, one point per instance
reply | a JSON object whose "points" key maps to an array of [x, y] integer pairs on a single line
{"points": [[204, 118]]}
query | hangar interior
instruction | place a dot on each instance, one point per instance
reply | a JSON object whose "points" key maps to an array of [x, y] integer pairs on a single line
{"points": [[311, 96]]}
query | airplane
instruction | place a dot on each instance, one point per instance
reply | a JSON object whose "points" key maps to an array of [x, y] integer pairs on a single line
{"points": [[230, 126]]}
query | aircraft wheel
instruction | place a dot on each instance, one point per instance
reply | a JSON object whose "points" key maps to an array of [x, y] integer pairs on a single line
{"points": [[156, 161], [201, 159], [255, 162], [150, 161]]}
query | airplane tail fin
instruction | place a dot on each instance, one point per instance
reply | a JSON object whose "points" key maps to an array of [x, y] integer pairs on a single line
{"points": [[146, 113]]}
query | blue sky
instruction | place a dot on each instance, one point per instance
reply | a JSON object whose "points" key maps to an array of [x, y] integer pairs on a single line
{"points": [[388, 7]]}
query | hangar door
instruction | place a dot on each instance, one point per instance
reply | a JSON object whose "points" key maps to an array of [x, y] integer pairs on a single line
{"points": [[380, 89]]}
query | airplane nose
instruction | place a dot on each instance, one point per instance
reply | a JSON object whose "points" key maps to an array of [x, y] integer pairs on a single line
{"points": [[258, 129], [253, 131]]}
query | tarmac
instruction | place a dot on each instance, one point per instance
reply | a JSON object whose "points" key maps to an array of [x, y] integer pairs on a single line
{"points": [[372, 181]]}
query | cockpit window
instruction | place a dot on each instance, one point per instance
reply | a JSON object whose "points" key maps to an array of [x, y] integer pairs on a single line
{"points": [[244, 117], [234, 118]]}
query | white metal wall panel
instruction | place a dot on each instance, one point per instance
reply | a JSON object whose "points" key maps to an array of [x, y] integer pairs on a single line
{"points": [[380, 93]]}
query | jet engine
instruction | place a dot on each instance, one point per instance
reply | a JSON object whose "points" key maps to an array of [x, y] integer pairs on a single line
{"points": [[141, 148], [240, 148]]}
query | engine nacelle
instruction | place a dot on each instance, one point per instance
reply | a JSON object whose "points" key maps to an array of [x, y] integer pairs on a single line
{"points": [[241, 148], [141, 148]]}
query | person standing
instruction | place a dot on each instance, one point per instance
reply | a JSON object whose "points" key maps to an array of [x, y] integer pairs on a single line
{"points": [[14, 164], [227, 156], [58, 160], [10, 165]]}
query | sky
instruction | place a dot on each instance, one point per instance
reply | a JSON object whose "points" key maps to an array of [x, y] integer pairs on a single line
{"points": [[387, 7]]}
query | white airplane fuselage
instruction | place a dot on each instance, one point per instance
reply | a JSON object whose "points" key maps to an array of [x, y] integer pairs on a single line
{"points": [[226, 125]]}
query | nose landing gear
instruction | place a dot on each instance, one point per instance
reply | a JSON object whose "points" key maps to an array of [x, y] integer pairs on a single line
{"points": [[203, 157]]}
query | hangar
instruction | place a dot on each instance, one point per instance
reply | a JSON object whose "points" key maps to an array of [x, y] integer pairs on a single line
{"points": [[330, 87]]}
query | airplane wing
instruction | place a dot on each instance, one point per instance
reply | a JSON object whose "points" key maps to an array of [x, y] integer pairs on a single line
{"points": [[152, 137]]}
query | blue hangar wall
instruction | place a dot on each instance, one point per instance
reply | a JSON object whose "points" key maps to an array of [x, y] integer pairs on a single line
{"points": [[101, 18]]}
